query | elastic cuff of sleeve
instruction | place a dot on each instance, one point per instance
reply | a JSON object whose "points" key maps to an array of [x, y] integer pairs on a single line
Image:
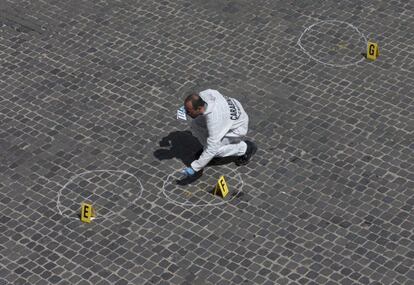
{"points": [[194, 167]]}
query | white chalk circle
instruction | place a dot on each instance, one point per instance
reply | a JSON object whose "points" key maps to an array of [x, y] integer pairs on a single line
{"points": [[109, 192], [334, 43], [199, 193]]}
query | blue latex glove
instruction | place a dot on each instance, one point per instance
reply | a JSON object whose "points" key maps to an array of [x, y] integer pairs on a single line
{"points": [[188, 171]]}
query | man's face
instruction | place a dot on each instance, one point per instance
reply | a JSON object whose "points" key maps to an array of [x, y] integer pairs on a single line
{"points": [[193, 113]]}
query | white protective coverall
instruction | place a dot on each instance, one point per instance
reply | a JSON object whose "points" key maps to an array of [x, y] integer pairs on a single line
{"points": [[220, 129]]}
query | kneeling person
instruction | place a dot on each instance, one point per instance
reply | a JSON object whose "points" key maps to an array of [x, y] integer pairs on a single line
{"points": [[220, 124]]}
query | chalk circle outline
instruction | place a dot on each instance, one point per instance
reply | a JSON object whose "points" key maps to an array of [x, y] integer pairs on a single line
{"points": [[186, 204], [331, 21], [58, 204]]}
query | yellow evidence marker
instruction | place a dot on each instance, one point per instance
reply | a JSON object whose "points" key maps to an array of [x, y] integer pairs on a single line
{"points": [[221, 187], [372, 51], [87, 213]]}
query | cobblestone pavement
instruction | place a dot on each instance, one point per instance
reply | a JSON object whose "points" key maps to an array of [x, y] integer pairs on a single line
{"points": [[89, 93]]}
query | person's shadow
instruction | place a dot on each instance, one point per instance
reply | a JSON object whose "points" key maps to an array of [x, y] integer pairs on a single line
{"points": [[184, 146], [179, 144]]}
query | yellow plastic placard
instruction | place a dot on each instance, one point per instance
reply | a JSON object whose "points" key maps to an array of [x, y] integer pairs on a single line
{"points": [[87, 213], [372, 51], [221, 187]]}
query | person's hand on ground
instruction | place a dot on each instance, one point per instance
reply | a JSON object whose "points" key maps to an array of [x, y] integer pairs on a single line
{"points": [[188, 171]]}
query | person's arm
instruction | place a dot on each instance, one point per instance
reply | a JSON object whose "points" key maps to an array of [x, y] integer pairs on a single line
{"points": [[216, 130], [213, 146]]}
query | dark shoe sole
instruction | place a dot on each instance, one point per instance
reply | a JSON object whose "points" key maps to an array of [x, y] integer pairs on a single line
{"points": [[251, 150]]}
